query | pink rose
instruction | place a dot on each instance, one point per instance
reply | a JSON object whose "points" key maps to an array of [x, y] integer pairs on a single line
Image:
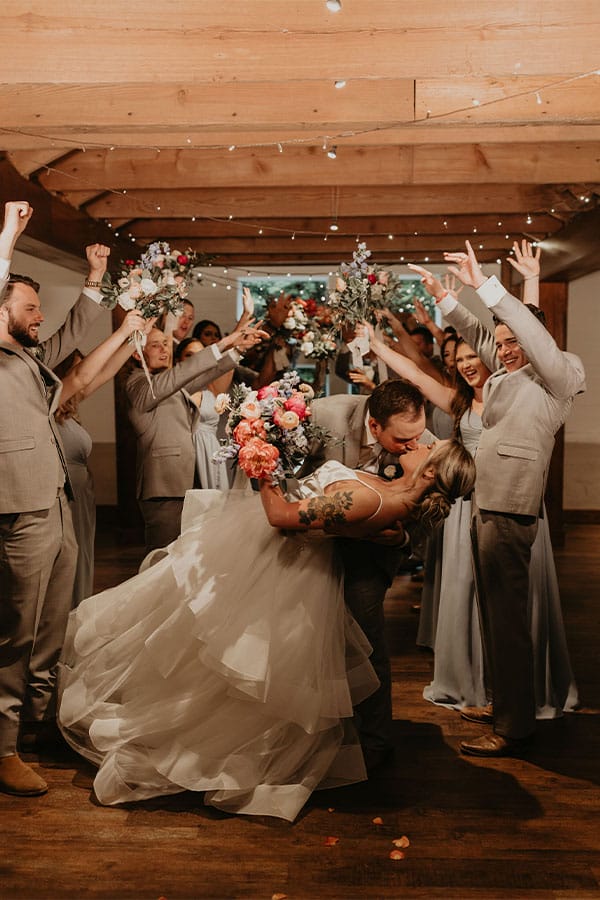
{"points": [[383, 278], [247, 429], [286, 418], [257, 458], [296, 403], [269, 390], [340, 285]]}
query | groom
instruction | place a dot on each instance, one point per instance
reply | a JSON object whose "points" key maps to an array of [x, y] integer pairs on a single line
{"points": [[372, 433]]}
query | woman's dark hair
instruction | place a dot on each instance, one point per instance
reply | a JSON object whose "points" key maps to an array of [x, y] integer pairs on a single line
{"points": [[200, 326], [181, 346], [463, 397]]}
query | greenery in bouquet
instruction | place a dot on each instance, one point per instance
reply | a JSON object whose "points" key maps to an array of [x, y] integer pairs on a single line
{"points": [[361, 287], [269, 430], [154, 284], [303, 327]]}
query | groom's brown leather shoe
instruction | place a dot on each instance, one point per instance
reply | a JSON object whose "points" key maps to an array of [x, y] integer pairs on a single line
{"points": [[492, 745], [483, 715], [19, 779]]}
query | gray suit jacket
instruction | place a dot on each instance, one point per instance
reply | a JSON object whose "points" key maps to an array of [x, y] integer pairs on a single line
{"points": [[164, 424], [522, 410], [32, 465]]}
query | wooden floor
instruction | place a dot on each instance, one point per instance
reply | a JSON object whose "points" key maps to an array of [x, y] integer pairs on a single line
{"points": [[508, 828]]}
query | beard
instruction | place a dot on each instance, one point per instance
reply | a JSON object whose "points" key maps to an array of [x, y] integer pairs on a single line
{"points": [[17, 330]]}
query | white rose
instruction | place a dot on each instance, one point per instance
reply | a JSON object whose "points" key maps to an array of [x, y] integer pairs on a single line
{"points": [[221, 403], [125, 301], [123, 283], [148, 286], [307, 347], [290, 323]]}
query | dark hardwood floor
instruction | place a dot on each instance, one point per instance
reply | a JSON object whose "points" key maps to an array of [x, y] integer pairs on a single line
{"points": [[506, 828]]}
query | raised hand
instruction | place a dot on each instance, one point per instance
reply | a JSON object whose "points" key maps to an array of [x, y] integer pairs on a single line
{"points": [[465, 267], [134, 321], [248, 302], [97, 257], [248, 337], [421, 314], [449, 282], [17, 214], [526, 261], [431, 284]]}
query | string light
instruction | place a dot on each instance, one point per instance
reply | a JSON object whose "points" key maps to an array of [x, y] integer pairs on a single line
{"points": [[340, 84], [538, 98], [332, 152], [333, 5]]}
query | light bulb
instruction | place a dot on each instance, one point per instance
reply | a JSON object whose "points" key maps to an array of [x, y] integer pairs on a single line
{"points": [[334, 226], [333, 5], [332, 153]]}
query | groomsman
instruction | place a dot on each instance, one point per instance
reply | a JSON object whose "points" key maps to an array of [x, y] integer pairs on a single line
{"points": [[38, 550], [526, 400], [164, 417], [373, 433]]}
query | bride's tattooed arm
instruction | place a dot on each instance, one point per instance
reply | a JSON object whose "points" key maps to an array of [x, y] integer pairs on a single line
{"points": [[328, 511]]}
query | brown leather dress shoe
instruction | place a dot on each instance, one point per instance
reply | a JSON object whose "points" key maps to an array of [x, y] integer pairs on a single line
{"points": [[492, 745], [19, 779], [483, 715]]}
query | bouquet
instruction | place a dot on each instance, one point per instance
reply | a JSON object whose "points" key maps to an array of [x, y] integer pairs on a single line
{"points": [[269, 430], [303, 326], [157, 283], [360, 289]]}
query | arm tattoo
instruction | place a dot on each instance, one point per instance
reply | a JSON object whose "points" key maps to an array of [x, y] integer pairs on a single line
{"points": [[330, 509]]}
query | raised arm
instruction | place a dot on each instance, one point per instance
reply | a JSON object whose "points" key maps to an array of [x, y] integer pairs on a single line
{"points": [[423, 318], [106, 359], [527, 263], [562, 373], [475, 333], [17, 214], [409, 348], [439, 394]]}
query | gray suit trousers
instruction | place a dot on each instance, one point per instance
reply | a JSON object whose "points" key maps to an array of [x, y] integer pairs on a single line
{"points": [[38, 556], [501, 553]]}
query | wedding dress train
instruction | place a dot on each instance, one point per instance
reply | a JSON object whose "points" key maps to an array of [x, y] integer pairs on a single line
{"points": [[228, 665]]}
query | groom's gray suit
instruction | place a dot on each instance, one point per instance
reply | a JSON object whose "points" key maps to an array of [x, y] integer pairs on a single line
{"points": [[38, 550], [522, 412]]}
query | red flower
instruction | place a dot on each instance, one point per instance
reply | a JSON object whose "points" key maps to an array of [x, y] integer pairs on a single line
{"points": [[372, 279], [130, 262], [182, 259]]}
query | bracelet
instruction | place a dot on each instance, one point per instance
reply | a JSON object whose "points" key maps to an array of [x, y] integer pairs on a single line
{"points": [[92, 284], [529, 277]]}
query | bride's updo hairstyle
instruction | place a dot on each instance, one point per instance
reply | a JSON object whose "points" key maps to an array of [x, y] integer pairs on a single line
{"points": [[454, 469]]}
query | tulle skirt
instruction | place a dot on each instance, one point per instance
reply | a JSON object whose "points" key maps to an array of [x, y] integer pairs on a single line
{"points": [[228, 665]]}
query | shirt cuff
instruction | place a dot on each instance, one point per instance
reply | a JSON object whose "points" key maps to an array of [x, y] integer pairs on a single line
{"points": [[96, 296], [491, 291], [216, 352], [447, 303]]}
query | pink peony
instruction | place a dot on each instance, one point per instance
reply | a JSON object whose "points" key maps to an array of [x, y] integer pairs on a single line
{"points": [[247, 429], [296, 403], [383, 278], [269, 390], [257, 458]]}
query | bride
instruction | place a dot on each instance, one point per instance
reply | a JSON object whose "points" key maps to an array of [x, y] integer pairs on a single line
{"points": [[229, 664]]}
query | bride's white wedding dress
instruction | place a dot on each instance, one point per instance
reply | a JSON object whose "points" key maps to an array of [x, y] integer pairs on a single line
{"points": [[228, 665]]}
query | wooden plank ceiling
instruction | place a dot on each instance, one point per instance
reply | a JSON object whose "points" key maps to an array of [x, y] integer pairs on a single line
{"points": [[210, 124]]}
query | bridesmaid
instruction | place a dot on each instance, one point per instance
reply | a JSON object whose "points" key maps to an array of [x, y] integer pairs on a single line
{"points": [[449, 618]]}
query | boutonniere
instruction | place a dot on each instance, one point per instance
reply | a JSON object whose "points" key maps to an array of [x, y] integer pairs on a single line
{"points": [[392, 471]]}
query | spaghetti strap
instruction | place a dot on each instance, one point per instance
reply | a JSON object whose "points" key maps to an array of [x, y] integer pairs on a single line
{"points": [[375, 491]]}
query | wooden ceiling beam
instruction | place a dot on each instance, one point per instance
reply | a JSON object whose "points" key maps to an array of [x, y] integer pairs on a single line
{"points": [[169, 229], [101, 170], [61, 140], [227, 42], [264, 203]]}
